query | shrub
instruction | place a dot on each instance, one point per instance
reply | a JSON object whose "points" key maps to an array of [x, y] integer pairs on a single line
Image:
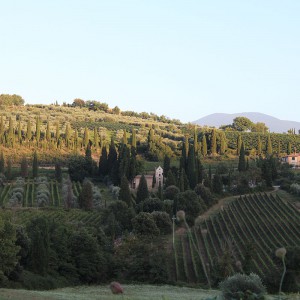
{"points": [[162, 221], [144, 224], [150, 205], [241, 286]]}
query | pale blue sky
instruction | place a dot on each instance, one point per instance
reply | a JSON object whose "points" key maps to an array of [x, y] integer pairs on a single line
{"points": [[184, 59]]}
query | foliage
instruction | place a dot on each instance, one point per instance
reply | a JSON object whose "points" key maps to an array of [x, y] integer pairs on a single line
{"points": [[241, 286], [6, 99], [144, 224], [142, 191]]}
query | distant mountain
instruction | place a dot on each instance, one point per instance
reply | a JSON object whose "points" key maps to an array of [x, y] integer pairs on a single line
{"points": [[274, 124]]}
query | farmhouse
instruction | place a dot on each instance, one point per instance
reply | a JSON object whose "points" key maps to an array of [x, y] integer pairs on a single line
{"points": [[292, 159], [157, 177]]}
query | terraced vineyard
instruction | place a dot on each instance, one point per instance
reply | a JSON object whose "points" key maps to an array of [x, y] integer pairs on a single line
{"points": [[265, 220]]}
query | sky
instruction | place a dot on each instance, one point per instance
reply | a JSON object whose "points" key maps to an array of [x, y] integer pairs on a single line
{"points": [[182, 59]]}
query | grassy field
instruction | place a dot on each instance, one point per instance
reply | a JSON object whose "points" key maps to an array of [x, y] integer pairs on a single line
{"points": [[131, 292]]}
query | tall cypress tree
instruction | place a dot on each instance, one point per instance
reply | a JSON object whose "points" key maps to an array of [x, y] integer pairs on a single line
{"points": [[103, 163], [124, 193], [19, 131], [112, 155], [238, 144], [132, 164], [38, 129], [48, 133], [204, 145], [133, 138], [279, 148], [195, 140], [29, 132], [167, 164], [213, 148], [142, 191], [85, 137], [67, 135], [242, 160], [35, 166], [269, 146], [223, 144], [57, 132], [170, 179], [96, 138], [191, 169], [124, 137]]}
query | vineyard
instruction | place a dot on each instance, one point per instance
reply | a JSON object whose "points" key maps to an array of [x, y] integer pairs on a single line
{"points": [[263, 221], [29, 191]]}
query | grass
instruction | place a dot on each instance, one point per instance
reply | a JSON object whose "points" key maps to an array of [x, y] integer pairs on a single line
{"points": [[131, 292]]}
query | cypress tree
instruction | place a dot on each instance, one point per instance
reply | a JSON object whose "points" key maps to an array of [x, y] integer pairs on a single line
{"points": [[124, 193], [2, 162], [213, 148], [170, 179], [10, 137], [183, 159], [133, 138], [160, 192], [200, 170], [238, 144], [279, 148], [29, 132], [142, 191], [223, 144], [124, 162], [85, 137], [75, 138], [57, 133], [112, 155], [269, 146], [247, 164], [85, 200], [67, 135], [204, 145], [88, 160], [35, 166], [48, 134], [153, 181], [191, 169], [167, 164], [124, 137], [38, 129], [24, 167], [19, 131], [242, 160], [96, 138], [132, 164], [103, 163], [195, 140]]}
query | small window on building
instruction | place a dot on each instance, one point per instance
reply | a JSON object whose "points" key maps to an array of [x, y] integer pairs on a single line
{"points": [[293, 158]]}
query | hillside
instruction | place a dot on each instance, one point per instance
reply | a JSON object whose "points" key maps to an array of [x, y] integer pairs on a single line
{"points": [[247, 230], [274, 124]]}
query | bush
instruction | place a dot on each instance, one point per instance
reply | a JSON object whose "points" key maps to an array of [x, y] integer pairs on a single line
{"points": [[150, 205], [162, 221], [144, 224], [241, 286], [171, 192]]}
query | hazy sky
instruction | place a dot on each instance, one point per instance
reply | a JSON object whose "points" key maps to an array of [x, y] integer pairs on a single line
{"points": [[184, 59]]}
